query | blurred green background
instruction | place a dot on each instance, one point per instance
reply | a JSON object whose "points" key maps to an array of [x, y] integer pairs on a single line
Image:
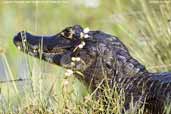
{"points": [[144, 26]]}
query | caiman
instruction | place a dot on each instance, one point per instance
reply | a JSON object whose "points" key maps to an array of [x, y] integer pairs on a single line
{"points": [[98, 56]]}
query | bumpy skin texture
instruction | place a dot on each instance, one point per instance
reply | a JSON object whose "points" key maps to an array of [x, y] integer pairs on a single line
{"points": [[101, 56]]}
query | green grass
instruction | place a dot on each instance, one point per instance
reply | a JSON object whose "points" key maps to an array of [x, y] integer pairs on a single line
{"points": [[143, 26]]}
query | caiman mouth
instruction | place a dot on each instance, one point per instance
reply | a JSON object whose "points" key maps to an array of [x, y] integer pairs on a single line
{"points": [[47, 47]]}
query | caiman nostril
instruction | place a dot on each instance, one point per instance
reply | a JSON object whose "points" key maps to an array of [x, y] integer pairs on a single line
{"points": [[17, 39]]}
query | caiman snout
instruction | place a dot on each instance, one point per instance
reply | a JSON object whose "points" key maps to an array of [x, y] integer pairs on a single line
{"points": [[24, 41], [53, 48]]}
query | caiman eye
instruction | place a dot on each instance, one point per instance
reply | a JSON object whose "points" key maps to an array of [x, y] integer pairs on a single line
{"points": [[68, 33]]}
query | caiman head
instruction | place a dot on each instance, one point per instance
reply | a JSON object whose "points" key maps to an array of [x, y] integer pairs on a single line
{"points": [[91, 55], [72, 48]]}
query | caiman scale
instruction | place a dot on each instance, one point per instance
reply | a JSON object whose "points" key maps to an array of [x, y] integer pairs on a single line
{"points": [[98, 55]]}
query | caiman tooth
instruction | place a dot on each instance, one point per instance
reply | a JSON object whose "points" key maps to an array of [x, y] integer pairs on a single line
{"points": [[34, 50], [18, 47]]}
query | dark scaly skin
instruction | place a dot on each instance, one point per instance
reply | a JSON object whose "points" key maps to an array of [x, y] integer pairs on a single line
{"points": [[103, 56]]}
